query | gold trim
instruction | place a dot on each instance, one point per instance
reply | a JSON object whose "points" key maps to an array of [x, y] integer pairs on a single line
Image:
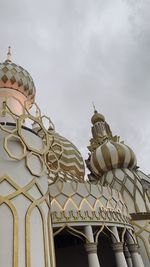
{"points": [[15, 228]]}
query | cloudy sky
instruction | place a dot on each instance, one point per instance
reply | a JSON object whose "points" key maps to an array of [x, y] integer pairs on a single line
{"points": [[79, 51]]}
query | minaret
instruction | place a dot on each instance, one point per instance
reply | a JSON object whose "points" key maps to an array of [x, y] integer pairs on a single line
{"points": [[113, 163], [26, 238]]}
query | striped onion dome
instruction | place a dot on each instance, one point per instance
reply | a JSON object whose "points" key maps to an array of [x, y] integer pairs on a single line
{"points": [[13, 76], [111, 155], [71, 160]]}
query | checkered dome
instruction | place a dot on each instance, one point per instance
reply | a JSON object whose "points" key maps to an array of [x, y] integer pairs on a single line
{"points": [[15, 77]]}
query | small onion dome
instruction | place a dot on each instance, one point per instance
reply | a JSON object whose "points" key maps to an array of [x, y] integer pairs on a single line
{"points": [[112, 155], [15, 77], [97, 117], [71, 160]]}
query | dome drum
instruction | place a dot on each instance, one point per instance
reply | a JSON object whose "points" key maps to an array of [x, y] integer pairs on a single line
{"points": [[79, 202]]}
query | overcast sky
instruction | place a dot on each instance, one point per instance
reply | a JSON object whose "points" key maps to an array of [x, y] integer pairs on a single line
{"points": [[79, 51]]}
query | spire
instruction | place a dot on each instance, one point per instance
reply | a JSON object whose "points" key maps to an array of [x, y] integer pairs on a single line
{"points": [[94, 107], [9, 56]]}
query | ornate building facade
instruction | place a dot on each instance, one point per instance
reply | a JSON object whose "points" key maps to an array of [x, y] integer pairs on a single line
{"points": [[51, 214]]}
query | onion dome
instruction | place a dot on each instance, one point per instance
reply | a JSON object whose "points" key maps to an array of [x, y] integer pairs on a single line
{"points": [[70, 161], [15, 77], [97, 117], [111, 155]]}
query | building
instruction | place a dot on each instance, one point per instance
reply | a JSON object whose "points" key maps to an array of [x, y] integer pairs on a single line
{"points": [[48, 210]]}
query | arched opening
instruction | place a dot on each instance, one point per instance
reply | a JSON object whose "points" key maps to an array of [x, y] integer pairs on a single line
{"points": [[104, 250], [70, 251]]}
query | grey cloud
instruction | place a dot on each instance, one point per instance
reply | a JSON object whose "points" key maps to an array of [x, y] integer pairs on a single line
{"points": [[84, 51]]}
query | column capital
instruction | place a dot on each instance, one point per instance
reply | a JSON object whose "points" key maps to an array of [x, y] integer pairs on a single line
{"points": [[117, 247], [133, 248], [91, 247]]}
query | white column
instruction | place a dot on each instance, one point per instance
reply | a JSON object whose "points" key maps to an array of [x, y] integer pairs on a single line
{"points": [[136, 258], [141, 260], [128, 257], [119, 255], [117, 247], [91, 247], [134, 251]]}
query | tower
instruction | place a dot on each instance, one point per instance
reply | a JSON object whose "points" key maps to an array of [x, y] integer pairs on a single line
{"points": [[26, 237], [114, 163]]}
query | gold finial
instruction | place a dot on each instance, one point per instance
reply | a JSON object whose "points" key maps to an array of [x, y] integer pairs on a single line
{"points": [[9, 59]]}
